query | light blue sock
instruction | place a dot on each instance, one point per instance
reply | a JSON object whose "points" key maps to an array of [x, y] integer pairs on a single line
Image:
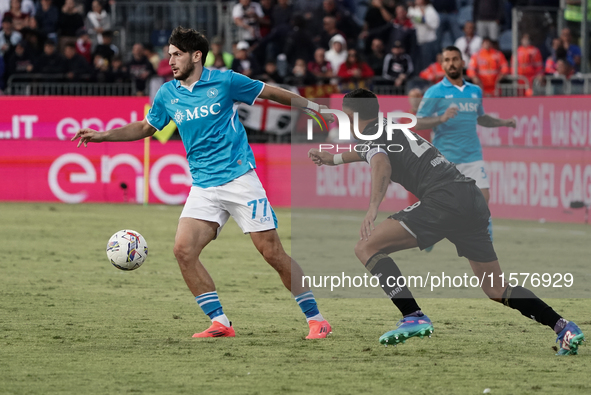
{"points": [[210, 304], [490, 231], [308, 305]]}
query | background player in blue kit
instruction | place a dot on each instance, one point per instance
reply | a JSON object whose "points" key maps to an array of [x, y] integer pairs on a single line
{"points": [[453, 108], [203, 103]]}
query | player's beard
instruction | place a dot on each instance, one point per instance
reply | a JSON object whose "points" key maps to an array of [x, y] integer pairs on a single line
{"points": [[454, 74], [185, 73]]}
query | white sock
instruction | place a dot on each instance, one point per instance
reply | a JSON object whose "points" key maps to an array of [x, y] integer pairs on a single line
{"points": [[222, 319], [318, 317]]}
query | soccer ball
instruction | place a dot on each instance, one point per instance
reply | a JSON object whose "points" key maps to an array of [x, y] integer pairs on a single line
{"points": [[127, 249]]}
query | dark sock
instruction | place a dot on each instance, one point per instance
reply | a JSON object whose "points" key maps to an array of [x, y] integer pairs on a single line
{"points": [[383, 267], [528, 304]]}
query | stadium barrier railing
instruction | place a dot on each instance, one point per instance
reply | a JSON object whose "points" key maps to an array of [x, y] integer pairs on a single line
{"points": [[512, 86], [579, 84]]}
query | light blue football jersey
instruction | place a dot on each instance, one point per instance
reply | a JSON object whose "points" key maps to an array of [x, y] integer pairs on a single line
{"points": [[207, 119], [457, 138]]}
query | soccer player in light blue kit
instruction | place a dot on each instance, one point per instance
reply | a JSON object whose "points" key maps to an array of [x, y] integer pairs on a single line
{"points": [[453, 108], [203, 103]]}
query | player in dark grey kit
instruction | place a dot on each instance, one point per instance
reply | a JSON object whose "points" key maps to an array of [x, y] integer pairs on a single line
{"points": [[451, 206]]}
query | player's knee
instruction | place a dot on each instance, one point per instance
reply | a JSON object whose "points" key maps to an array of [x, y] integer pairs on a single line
{"points": [[183, 252]]}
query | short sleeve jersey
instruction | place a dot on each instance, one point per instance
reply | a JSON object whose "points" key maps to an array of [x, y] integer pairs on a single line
{"points": [[457, 138], [206, 116], [416, 164]]}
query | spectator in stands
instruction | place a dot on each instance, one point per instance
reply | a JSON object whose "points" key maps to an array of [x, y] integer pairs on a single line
{"points": [[434, 73], [320, 67], [102, 71], [140, 68], [469, 43], [558, 52], [270, 74], [488, 14], [377, 55], [246, 15], [8, 37], [273, 44], [379, 14], [529, 60], [107, 49], [265, 22], [119, 71], [563, 69], [448, 21], [164, 69], [47, 16], [20, 19], [97, 21], [354, 69], [573, 51], [216, 52], [298, 42], [399, 29], [282, 13], [70, 21], [487, 66], [152, 56], [344, 20], [329, 30], [21, 61], [306, 8], [426, 22], [34, 40], [337, 54], [77, 68], [300, 76], [50, 62], [245, 63], [84, 45], [397, 65]]}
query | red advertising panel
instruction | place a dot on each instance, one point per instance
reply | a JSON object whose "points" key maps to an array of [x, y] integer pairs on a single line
{"points": [[59, 117]]}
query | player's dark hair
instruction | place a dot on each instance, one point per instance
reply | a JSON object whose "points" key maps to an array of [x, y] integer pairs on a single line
{"points": [[189, 40], [452, 48], [364, 102]]}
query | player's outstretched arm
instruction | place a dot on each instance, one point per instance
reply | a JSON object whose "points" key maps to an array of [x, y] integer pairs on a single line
{"points": [[283, 96], [326, 158], [130, 132], [491, 122], [381, 170], [287, 98]]}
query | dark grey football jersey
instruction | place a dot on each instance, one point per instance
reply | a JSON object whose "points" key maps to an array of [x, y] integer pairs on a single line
{"points": [[416, 164]]}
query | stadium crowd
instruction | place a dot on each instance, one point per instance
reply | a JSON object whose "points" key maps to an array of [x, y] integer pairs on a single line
{"points": [[391, 46]]}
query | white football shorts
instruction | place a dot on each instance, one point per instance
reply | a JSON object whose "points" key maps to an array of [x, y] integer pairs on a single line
{"points": [[476, 171], [243, 198]]}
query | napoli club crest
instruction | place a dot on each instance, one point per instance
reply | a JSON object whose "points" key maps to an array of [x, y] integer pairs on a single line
{"points": [[212, 92]]}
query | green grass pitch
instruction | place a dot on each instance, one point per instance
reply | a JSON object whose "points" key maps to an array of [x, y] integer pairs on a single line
{"points": [[71, 323]]}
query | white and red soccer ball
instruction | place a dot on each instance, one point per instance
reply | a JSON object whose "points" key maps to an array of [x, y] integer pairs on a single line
{"points": [[127, 249]]}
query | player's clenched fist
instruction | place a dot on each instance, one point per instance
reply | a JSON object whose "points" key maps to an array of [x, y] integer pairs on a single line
{"points": [[321, 157], [87, 136], [451, 112]]}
